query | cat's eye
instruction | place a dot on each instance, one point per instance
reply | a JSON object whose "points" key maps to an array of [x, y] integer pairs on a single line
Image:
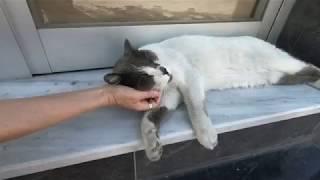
{"points": [[163, 70]]}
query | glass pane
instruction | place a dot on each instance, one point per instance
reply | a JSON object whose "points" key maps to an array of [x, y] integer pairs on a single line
{"points": [[66, 13]]}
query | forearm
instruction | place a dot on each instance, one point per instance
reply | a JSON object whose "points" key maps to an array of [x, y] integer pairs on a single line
{"points": [[23, 116]]}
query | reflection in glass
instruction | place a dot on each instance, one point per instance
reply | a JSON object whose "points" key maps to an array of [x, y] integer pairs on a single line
{"points": [[64, 13]]}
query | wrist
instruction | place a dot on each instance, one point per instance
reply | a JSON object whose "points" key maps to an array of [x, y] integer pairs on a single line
{"points": [[108, 98]]}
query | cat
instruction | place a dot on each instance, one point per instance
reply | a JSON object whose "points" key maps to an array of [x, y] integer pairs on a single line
{"points": [[183, 68]]}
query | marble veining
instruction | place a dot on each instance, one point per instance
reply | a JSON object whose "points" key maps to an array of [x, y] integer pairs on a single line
{"points": [[113, 131]]}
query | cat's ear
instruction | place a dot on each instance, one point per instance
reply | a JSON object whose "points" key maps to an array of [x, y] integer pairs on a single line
{"points": [[128, 49], [112, 78]]}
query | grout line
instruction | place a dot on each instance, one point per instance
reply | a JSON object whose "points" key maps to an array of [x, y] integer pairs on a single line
{"points": [[135, 165], [235, 157]]}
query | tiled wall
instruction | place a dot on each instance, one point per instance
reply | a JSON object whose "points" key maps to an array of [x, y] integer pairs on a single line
{"points": [[186, 156], [301, 35]]}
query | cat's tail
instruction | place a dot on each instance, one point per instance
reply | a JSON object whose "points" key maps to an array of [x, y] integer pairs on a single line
{"points": [[309, 74]]}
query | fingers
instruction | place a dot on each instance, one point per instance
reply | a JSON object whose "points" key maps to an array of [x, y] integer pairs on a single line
{"points": [[158, 100], [146, 105], [137, 100], [141, 94], [150, 94], [150, 99]]}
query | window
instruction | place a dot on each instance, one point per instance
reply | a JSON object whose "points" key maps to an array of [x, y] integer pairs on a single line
{"points": [[68, 13], [67, 35]]}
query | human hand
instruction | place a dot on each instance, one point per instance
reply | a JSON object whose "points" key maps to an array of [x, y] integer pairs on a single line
{"points": [[130, 98]]}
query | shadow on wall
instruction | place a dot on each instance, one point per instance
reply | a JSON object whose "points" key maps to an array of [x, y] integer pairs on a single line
{"points": [[301, 35]]}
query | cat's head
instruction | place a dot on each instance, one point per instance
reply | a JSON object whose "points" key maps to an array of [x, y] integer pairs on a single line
{"points": [[138, 69]]}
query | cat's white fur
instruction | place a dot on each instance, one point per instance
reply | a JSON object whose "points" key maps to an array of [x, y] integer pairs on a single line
{"points": [[201, 63], [225, 62]]}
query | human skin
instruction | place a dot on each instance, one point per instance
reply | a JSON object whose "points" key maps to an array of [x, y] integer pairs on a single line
{"points": [[19, 117]]}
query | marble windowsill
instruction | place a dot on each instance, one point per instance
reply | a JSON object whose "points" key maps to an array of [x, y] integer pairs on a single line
{"points": [[112, 131]]}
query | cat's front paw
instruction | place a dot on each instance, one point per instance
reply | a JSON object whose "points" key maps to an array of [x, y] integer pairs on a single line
{"points": [[153, 147], [207, 137], [154, 151]]}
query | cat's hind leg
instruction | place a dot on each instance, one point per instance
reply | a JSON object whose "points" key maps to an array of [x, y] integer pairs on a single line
{"points": [[150, 124], [194, 98]]}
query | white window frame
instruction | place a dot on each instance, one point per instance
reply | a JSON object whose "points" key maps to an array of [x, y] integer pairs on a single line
{"points": [[12, 63], [68, 49]]}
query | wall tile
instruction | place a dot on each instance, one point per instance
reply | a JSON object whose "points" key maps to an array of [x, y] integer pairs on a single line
{"points": [[114, 168], [190, 155], [301, 34]]}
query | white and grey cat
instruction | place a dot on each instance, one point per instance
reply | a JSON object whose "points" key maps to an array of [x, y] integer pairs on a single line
{"points": [[184, 68]]}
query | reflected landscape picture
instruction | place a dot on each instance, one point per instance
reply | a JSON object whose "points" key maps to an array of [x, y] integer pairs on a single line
{"points": [[64, 12]]}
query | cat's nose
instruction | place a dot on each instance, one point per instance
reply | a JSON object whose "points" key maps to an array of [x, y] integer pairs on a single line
{"points": [[163, 70]]}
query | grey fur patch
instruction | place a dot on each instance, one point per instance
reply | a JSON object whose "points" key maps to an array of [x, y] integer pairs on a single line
{"points": [[307, 74], [127, 71], [136, 80], [156, 115], [133, 59]]}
